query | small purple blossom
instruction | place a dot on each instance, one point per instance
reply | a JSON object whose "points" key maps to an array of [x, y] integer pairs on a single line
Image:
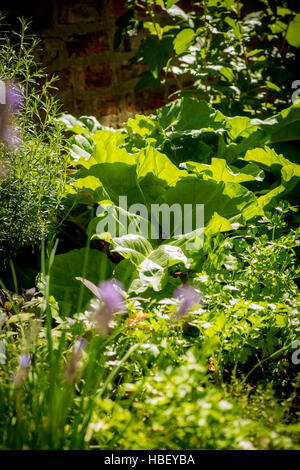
{"points": [[111, 302], [24, 361], [80, 344], [2, 319], [74, 364], [188, 297], [22, 371], [8, 110], [111, 296], [14, 97]]}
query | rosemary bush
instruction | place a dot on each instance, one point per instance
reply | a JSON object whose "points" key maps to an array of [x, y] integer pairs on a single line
{"points": [[32, 183]]}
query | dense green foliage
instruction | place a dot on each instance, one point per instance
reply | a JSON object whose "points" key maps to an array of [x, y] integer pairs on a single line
{"points": [[238, 56], [32, 185], [164, 159]]}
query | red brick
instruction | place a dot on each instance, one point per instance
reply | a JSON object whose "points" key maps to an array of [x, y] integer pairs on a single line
{"points": [[83, 45], [98, 75], [74, 106], [80, 78], [78, 12], [136, 102], [116, 8], [130, 102], [79, 107], [145, 100], [103, 105], [49, 51], [66, 80], [156, 99], [127, 71]]}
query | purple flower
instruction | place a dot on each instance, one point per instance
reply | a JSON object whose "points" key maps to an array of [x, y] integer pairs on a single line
{"points": [[22, 372], [9, 135], [80, 344], [13, 100], [14, 97], [111, 301], [24, 361], [2, 319], [188, 297], [74, 364], [111, 296]]}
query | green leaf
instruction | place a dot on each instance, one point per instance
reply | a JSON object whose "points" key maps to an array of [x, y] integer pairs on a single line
{"points": [[183, 40], [71, 123], [91, 185], [174, 10], [109, 138], [227, 73], [293, 32], [268, 159], [290, 176], [156, 173], [274, 193], [193, 241], [143, 267], [230, 200], [235, 27], [141, 125], [81, 147], [135, 247], [169, 113], [190, 114], [220, 171], [268, 342], [153, 271], [110, 153], [78, 126], [117, 179], [103, 146], [142, 131], [156, 53], [282, 127], [272, 86], [19, 318]]}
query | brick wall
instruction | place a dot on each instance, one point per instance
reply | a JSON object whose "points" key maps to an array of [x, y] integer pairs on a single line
{"points": [[77, 45]]}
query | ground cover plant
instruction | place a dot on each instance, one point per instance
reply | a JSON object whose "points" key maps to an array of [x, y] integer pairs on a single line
{"points": [[121, 331]]}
